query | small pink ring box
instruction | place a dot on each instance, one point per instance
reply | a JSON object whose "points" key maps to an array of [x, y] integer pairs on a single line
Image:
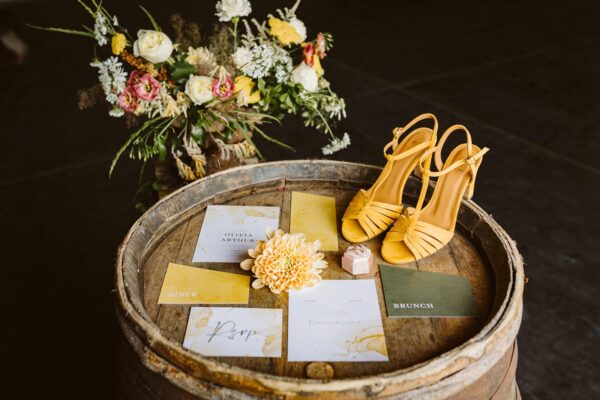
{"points": [[357, 260]]}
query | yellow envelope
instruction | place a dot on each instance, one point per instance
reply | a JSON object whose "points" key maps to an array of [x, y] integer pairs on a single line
{"points": [[314, 216], [189, 285]]}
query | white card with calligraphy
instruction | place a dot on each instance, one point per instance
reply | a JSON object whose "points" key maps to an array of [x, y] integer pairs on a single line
{"points": [[229, 231], [336, 320], [234, 332]]}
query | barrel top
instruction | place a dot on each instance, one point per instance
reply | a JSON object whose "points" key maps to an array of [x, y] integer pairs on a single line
{"points": [[417, 347]]}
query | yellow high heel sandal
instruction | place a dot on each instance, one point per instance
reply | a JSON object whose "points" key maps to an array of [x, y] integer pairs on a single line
{"points": [[374, 210], [429, 229]]}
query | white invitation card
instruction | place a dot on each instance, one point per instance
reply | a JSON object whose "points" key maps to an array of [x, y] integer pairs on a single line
{"points": [[336, 320], [234, 332], [229, 231]]}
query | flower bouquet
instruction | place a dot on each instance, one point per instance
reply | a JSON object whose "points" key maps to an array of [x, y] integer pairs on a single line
{"points": [[200, 104]]}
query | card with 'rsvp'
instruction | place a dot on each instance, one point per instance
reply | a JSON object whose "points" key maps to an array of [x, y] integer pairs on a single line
{"points": [[234, 332]]}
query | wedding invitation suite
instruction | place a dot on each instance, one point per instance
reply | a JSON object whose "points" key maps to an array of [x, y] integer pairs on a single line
{"points": [[234, 332], [336, 320], [229, 231], [414, 293], [314, 216], [190, 285]]}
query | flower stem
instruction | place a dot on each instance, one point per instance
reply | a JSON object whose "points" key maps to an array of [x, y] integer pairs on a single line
{"points": [[327, 127], [235, 24]]}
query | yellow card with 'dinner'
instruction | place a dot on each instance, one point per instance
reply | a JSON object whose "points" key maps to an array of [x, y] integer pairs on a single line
{"points": [[314, 216], [190, 285]]}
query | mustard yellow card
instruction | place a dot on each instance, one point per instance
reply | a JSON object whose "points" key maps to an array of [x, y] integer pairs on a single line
{"points": [[189, 285], [314, 216]]}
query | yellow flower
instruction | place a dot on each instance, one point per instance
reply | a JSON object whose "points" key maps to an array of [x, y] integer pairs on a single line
{"points": [[317, 66], [243, 85], [118, 43], [284, 32], [285, 262]]}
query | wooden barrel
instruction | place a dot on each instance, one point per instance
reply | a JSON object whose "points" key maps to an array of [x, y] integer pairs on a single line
{"points": [[429, 358]]}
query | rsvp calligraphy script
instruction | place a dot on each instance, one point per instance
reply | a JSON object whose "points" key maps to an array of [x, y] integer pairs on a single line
{"points": [[234, 332], [229, 330]]}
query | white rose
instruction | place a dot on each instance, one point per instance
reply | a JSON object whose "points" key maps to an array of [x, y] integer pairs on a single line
{"points": [[227, 9], [241, 57], [154, 46], [306, 76], [299, 27], [199, 89]]}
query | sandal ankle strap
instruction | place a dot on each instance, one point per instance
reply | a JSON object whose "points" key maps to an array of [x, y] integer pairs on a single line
{"points": [[401, 130], [471, 160]]}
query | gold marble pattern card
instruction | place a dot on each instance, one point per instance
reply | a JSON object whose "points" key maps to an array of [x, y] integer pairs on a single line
{"points": [[314, 216], [190, 285], [234, 332]]}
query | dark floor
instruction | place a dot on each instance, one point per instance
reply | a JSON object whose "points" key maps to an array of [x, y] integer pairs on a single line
{"points": [[523, 76]]}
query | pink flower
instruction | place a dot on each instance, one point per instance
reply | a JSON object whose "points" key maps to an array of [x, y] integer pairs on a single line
{"points": [[127, 100], [320, 46], [223, 88], [134, 78], [147, 88]]}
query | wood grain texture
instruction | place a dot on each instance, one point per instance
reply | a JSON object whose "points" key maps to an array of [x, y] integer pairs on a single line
{"points": [[423, 351]]}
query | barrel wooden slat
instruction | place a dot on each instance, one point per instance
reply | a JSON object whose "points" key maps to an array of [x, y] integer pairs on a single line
{"points": [[433, 356], [155, 270], [481, 279]]}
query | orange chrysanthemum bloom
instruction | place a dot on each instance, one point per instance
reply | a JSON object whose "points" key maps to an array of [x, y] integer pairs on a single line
{"points": [[285, 262]]}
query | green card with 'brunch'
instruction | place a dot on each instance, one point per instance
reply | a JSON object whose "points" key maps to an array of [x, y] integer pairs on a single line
{"points": [[414, 293]]}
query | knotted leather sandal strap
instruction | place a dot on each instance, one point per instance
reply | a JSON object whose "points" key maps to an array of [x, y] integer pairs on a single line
{"points": [[424, 239], [374, 217], [421, 238]]}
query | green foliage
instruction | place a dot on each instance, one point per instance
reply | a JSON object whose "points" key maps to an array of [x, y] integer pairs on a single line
{"points": [[328, 40], [279, 99], [198, 133], [151, 18], [148, 141], [63, 30], [181, 71]]}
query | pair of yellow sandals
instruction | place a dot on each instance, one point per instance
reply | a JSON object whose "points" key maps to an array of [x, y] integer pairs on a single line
{"points": [[422, 231]]}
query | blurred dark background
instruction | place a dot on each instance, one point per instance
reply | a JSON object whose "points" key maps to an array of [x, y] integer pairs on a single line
{"points": [[522, 75]]}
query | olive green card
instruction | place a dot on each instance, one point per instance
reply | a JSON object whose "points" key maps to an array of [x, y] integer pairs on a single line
{"points": [[414, 293]]}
